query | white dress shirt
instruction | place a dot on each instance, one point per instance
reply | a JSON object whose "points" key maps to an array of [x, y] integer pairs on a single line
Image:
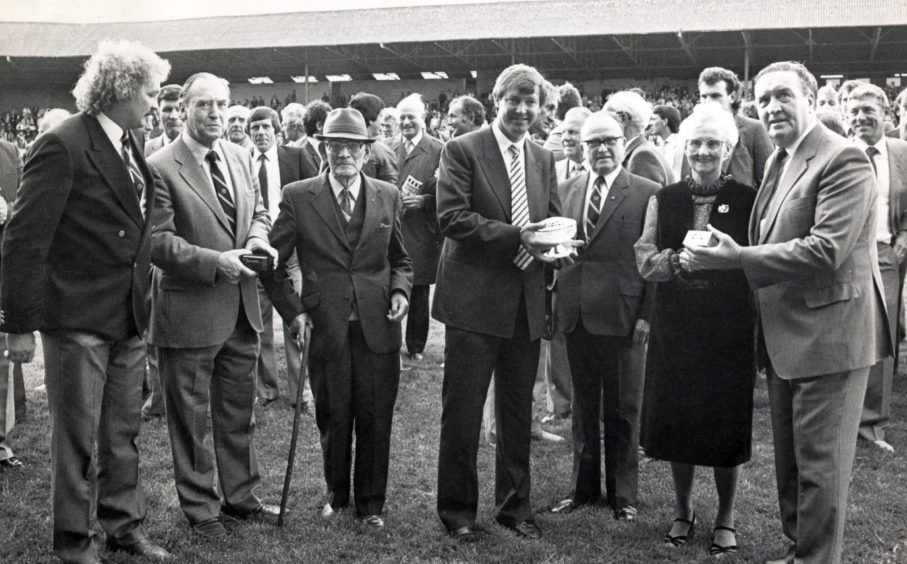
{"points": [[883, 180], [606, 187], [272, 169], [199, 151]]}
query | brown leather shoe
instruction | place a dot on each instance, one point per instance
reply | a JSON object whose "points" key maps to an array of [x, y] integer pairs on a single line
{"points": [[144, 547]]}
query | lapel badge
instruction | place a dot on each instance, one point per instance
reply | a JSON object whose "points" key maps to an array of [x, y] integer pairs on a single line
{"points": [[724, 208]]}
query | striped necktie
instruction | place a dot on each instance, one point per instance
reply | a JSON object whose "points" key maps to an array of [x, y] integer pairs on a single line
{"points": [[346, 203], [594, 210], [138, 181], [220, 188], [519, 204]]}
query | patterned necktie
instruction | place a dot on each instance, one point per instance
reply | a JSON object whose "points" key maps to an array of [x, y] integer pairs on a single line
{"points": [[346, 203], [135, 174], [770, 184], [263, 178], [594, 210], [872, 152], [519, 204], [220, 188]]}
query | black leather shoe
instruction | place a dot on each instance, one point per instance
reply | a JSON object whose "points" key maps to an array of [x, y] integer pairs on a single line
{"points": [[465, 535], [264, 513], [213, 528], [144, 547], [527, 529]]}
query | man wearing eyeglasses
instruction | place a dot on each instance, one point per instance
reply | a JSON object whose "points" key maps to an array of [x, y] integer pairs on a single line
{"points": [[345, 228], [603, 307]]}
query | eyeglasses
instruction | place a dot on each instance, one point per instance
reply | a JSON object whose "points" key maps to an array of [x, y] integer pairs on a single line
{"points": [[594, 144], [337, 147], [710, 144]]}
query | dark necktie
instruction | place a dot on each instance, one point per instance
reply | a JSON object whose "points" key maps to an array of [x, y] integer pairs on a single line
{"points": [[872, 152], [135, 174], [263, 178], [346, 203], [220, 188], [770, 185], [595, 206]]}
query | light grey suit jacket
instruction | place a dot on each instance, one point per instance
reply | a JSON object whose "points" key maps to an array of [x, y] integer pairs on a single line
{"points": [[190, 307], [813, 262]]}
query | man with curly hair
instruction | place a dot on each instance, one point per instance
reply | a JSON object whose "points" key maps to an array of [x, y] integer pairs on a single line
{"points": [[75, 267]]}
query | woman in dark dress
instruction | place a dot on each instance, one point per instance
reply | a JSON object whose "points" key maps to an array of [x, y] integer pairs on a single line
{"points": [[698, 403]]}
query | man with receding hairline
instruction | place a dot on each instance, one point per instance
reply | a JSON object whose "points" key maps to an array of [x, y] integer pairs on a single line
{"points": [[205, 315], [813, 266]]}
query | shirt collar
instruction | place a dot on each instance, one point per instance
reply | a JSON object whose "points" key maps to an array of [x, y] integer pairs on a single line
{"points": [[609, 178], [503, 142], [881, 146], [113, 131], [796, 144], [337, 187], [417, 139], [270, 153], [198, 150]]}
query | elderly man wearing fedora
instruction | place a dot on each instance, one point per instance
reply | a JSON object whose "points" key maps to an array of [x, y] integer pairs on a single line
{"points": [[345, 229]]}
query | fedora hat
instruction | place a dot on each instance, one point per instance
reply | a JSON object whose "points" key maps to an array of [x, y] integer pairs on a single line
{"points": [[344, 123]]}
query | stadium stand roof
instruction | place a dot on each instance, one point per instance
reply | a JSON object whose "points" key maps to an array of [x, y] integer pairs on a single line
{"points": [[577, 39]]}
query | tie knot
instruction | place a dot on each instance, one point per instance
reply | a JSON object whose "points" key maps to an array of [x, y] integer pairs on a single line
{"points": [[212, 156], [514, 151], [600, 181], [262, 157], [125, 137], [871, 151]]}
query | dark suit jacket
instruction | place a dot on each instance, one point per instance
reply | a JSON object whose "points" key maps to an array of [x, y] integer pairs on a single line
{"points": [[479, 286], [10, 170], [813, 263], [897, 187], [382, 164], [644, 159], [294, 164], [747, 163], [421, 233], [603, 288], [190, 307], [76, 250], [334, 272]]}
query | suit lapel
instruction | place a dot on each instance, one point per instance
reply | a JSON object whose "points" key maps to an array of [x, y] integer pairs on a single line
{"points": [[575, 197], [495, 170], [285, 166], [535, 192], [631, 146], [370, 213], [895, 187], [798, 165], [194, 176], [240, 182], [323, 203], [112, 168], [612, 201]]}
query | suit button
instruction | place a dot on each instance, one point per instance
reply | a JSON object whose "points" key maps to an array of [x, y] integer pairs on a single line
{"points": [[121, 233]]}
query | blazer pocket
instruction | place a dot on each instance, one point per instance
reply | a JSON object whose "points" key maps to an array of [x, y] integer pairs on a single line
{"points": [[628, 288], [831, 294], [310, 300], [798, 203]]}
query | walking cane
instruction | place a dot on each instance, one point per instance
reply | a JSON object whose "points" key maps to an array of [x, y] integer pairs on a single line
{"points": [[303, 366]]}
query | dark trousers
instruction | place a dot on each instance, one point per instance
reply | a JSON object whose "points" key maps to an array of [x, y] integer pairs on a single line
{"points": [[222, 377], [470, 360], [417, 319], [877, 405], [608, 373], [356, 391], [814, 426], [94, 394]]}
